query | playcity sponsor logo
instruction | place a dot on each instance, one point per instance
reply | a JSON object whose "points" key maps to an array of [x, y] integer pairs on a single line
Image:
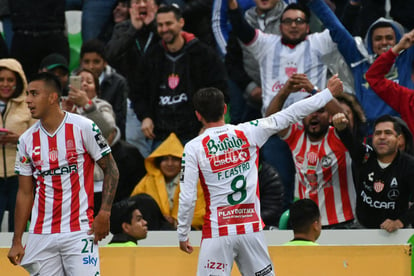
{"points": [[237, 214]]}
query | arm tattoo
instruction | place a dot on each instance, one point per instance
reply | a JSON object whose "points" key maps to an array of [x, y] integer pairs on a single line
{"points": [[110, 182]]}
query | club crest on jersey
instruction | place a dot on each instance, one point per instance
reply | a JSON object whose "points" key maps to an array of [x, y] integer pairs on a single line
{"points": [[70, 145], [378, 186], [53, 155], [312, 158], [173, 81], [291, 69]]}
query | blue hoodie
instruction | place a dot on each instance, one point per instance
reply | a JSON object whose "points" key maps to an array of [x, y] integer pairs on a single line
{"points": [[359, 61]]}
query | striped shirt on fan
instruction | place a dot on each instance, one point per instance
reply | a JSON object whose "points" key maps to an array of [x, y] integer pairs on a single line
{"points": [[62, 165], [323, 174]]}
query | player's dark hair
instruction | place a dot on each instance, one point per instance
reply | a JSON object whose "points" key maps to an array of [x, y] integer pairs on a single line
{"points": [[303, 213], [174, 8], [388, 118], [50, 80], [95, 79], [209, 102], [121, 212], [297, 6], [93, 46]]}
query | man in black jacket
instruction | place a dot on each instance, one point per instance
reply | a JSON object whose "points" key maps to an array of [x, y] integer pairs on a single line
{"points": [[130, 41], [384, 176], [173, 71]]}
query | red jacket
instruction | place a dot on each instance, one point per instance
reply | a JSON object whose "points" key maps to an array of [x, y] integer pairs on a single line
{"points": [[398, 97]]}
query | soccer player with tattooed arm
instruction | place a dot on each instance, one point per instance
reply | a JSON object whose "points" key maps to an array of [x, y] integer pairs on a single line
{"points": [[55, 159]]}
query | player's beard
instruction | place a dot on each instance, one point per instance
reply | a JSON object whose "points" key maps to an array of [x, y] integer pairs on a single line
{"points": [[317, 134]]}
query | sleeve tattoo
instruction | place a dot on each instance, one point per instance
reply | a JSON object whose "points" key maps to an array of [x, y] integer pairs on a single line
{"points": [[110, 182]]}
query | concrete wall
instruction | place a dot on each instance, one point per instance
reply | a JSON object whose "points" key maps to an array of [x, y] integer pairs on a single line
{"points": [[288, 260], [342, 252]]}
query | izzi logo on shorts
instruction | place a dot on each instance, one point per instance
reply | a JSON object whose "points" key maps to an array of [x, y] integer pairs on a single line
{"points": [[227, 152]]}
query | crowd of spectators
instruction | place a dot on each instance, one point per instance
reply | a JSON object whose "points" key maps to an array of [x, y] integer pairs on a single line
{"points": [[141, 61]]}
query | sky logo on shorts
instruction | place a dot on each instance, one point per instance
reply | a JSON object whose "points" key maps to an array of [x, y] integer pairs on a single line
{"points": [[90, 260]]}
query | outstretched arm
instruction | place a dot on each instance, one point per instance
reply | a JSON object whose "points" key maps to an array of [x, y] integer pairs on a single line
{"points": [[241, 28], [339, 34], [333, 107], [299, 110], [405, 42], [295, 83]]}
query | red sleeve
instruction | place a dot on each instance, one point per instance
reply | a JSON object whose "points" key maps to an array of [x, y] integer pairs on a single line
{"points": [[391, 92]]}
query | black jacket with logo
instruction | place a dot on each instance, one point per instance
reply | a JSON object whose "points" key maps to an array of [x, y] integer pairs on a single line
{"points": [[382, 193], [195, 66]]}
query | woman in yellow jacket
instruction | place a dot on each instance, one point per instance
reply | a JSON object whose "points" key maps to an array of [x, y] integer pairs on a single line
{"points": [[162, 181], [15, 118]]}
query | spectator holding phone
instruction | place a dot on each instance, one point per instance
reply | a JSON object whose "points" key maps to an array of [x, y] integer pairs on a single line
{"points": [[83, 99], [15, 119]]}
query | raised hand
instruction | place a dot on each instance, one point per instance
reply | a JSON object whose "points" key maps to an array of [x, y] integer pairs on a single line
{"points": [[335, 85], [405, 42], [233, 4], [339, 121]]}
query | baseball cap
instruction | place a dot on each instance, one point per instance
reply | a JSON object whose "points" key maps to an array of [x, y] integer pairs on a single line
{"points": [[53, 61]]}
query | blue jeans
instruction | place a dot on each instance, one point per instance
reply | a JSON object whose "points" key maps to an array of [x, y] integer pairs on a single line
{"points": [[8, 193], [277, 153], [95, 15]]}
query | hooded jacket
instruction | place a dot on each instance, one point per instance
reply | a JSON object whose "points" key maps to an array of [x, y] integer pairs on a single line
{"points": [[154, 184], [360, 57], [16, 117]]}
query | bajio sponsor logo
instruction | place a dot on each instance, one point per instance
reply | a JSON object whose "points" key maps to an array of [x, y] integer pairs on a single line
{"points": [[227, 152]]}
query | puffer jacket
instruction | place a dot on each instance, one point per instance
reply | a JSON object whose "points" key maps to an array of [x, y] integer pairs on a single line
{"points": [[16, 117]]}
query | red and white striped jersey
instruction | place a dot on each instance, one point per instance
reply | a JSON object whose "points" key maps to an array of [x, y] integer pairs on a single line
{"points": [[323, 174], [225, 158], [62, 165]]}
